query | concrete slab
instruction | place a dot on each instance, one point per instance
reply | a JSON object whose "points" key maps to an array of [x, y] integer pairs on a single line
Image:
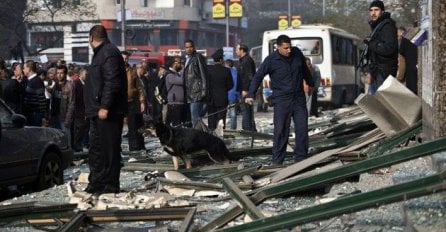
{"points": [[392, 108]]}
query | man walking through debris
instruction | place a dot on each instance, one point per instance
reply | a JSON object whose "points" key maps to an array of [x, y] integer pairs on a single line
{"points": [[287, 69], [220, 82], [196, 81], [245, 71], [136, 102], [105, 98], [382, 45]]}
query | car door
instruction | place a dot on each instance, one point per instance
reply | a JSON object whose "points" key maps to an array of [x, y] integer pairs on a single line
{"points": [[15, 158]]}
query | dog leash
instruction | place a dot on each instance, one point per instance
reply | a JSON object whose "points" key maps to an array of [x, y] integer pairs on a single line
{"points": [[206, 116], [227, 108]]}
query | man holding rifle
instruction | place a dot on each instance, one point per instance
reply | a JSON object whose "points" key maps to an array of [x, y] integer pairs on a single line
{"points": [[381, 54]]}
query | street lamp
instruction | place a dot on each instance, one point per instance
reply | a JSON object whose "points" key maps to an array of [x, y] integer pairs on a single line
{"points": [[289, 13], [123, 27]]}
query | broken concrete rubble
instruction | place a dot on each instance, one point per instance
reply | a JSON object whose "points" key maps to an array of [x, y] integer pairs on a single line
{"points": [[209, 179], [392, 108]]}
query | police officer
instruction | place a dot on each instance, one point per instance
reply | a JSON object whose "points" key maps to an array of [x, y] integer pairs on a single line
{"points": [[287, 70]]}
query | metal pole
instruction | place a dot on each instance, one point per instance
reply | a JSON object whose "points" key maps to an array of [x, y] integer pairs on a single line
{"points": [[123, 27], [323, 8], [227, 23], [289, 13]]}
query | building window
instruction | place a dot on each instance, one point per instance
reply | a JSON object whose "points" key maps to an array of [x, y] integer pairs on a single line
{"points": [[56, 3], [145, 3], [41, 40], [187, 2], [168, 37], [118, 2], [80, 54], [193, 35], [342, 50]]}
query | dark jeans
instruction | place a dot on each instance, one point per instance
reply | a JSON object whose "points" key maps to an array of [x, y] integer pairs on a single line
{"points": [[104, 155], [248, 122], [283, 112], [377, 81], [233, 114], [134, 122], [378, 78], [197, 111]]}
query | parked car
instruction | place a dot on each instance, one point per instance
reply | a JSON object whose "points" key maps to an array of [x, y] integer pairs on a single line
{"points": [[31, 155]]}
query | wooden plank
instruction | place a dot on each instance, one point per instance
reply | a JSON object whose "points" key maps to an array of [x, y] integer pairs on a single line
{"points": [[353, 203], [187, 222], [297, 167], [345, 171], [75, 222], [111, 215], [244, 171], [20, 210], [248, 206], [365, 140], [191, 184]]}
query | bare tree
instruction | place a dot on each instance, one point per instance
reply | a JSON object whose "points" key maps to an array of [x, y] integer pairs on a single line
{"points": [[57, 12], [11, 25]]}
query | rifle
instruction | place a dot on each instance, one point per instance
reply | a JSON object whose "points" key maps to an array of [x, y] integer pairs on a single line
{"points": [[363, 61]]}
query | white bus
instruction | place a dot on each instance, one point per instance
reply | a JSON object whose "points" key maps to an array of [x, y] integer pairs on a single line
{"points": [[333, 50], [256, 55]]}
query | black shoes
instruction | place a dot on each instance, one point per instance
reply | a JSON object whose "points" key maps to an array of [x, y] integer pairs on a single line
{"points": [[98, 190], [93, 188]]}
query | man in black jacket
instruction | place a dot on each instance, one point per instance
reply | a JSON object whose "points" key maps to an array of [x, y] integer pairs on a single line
{"points": [[382, 45], [246, 71], [105, 97], [196, 81], [220, 82]]}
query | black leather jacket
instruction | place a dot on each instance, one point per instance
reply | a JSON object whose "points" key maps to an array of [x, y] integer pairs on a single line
{"points": [[383, 46], [245, 72], [106, 84], [196, 78]]}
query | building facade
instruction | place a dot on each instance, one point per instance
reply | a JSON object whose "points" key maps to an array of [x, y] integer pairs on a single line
{"points": [[150, 25]]}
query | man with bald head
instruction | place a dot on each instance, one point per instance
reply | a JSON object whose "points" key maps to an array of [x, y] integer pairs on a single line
{"points": [[105, 97]]}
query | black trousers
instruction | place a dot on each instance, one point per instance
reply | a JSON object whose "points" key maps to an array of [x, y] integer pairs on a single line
{"points": [[80, 132], [176, 114], [215, 113], [134, 122], [285, 111], [104, 155]]}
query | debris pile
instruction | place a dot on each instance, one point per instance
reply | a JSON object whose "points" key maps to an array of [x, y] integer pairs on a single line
{"points": [[322, 191]]}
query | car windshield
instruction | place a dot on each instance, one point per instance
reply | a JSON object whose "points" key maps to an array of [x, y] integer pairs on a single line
{"points": [[310, 47]]}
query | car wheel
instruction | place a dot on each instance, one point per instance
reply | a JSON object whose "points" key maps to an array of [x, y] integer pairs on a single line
{"points": [[50, 172]]}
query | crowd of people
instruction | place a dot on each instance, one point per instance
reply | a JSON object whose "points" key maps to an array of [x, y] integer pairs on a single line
{"points": [[49, 94], [92, 104]]}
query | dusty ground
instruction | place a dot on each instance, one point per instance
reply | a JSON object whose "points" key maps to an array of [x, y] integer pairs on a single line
{"points": [[420, 214]]}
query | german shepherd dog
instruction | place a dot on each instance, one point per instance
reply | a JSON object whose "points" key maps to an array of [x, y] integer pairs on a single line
{"points": [[181, 142]]}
